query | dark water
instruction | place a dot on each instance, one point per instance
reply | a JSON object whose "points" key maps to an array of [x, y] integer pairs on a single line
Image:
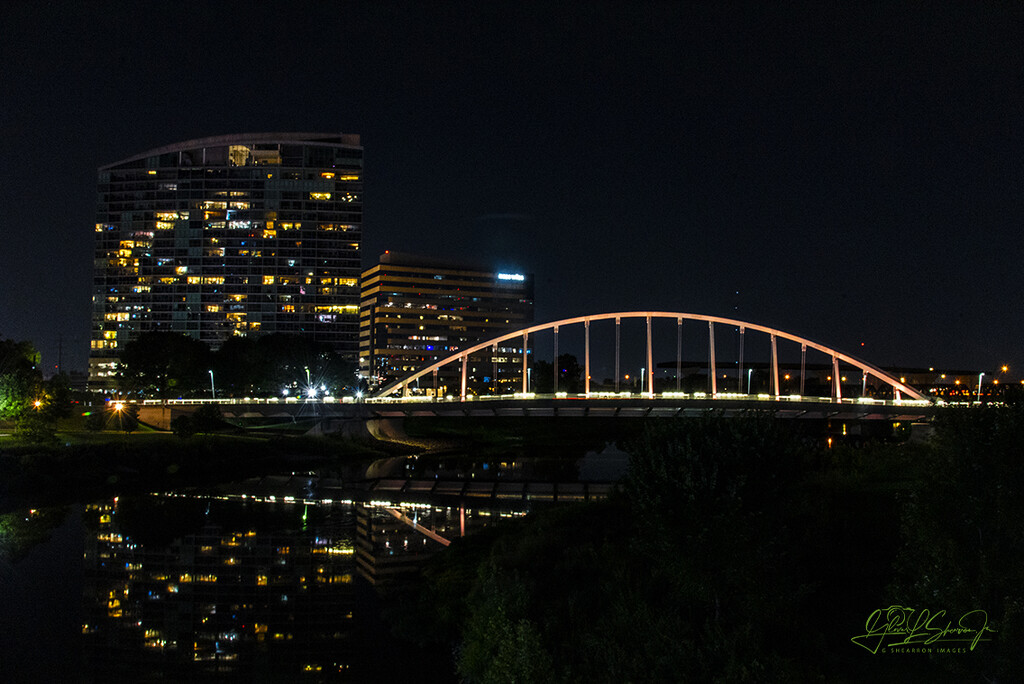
{"points": [[240, 586]]}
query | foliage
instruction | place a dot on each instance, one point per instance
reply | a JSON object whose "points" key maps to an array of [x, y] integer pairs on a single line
{"points": [[501, 643], [22, 531], [736, 551], [206, 418], [282, 361], [19, 378], [57, 397], [183, 426], [36, 427], [96, 420], [963, 544], [164, 365], [569, 375]]}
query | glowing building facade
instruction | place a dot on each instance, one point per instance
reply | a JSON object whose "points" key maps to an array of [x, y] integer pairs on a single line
{"points": [[416, 310], [230, 235]]}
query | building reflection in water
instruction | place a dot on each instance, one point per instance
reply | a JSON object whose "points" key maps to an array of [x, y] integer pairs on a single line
{"points": [[245, 588]]}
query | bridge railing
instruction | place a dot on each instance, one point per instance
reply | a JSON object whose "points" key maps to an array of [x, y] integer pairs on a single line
{"points": [[663, 396], [287, 401]]}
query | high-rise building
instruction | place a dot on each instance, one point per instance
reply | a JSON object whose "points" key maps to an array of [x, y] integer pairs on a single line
{"points": [[417, 310], [232, 235]]}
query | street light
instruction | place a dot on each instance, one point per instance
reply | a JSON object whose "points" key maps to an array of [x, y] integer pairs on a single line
{"points": [[213, 389], [749, 373], [979, 386]]}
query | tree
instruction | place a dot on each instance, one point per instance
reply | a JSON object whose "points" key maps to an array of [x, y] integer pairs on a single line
{"points": [[183, 426], [164, 364], [963, 545], [285, 360], [569, 375], [57, 397], [237, 367], [36, 427], [19, 377], [207, 418]]}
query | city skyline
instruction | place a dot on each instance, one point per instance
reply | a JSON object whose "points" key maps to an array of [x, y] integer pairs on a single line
{"points": [[851, 175]]}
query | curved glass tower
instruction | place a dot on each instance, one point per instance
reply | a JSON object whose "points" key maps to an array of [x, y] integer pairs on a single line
{"points": [[232, 235]]}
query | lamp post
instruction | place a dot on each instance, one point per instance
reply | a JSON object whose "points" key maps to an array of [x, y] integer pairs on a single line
{"points": [[750, 372], [979, 386], [213, 388]]}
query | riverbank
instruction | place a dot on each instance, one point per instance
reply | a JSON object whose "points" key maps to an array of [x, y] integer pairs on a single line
{"points": [[84, 466]]}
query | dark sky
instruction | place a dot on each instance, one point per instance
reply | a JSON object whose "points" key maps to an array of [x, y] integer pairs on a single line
{"points": [[855, 174]]}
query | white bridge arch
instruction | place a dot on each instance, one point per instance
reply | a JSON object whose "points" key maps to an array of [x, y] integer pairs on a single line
{"points": [[837, 356]]}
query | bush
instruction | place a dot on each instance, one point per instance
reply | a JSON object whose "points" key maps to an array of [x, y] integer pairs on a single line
{"points": [[34, 427], [183, 426], [207, 418]]}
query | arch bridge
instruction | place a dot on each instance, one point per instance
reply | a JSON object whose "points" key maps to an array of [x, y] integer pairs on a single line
{"points": [[462, 356]]}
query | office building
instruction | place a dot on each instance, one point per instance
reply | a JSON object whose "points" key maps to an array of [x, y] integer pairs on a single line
{"points": [[417, 310], [231, 235]]}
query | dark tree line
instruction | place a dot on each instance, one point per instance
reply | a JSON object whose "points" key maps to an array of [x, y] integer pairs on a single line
{"points": [[170, 365]]}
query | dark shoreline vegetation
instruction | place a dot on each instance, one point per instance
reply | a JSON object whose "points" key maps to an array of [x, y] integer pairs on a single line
{"points": [[736, 550]]}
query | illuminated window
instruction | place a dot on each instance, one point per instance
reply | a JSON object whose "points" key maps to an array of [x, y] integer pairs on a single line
{"points": [[319, 195], [268, 280]]}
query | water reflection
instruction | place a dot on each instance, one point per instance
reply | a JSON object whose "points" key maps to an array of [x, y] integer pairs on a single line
{"points": [[246, 587]]}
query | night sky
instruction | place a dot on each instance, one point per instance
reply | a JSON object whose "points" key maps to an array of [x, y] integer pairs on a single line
{"points": [[856, 175]]}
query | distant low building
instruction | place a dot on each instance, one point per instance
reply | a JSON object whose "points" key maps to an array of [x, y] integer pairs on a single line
{"points": [[416, 310]]}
